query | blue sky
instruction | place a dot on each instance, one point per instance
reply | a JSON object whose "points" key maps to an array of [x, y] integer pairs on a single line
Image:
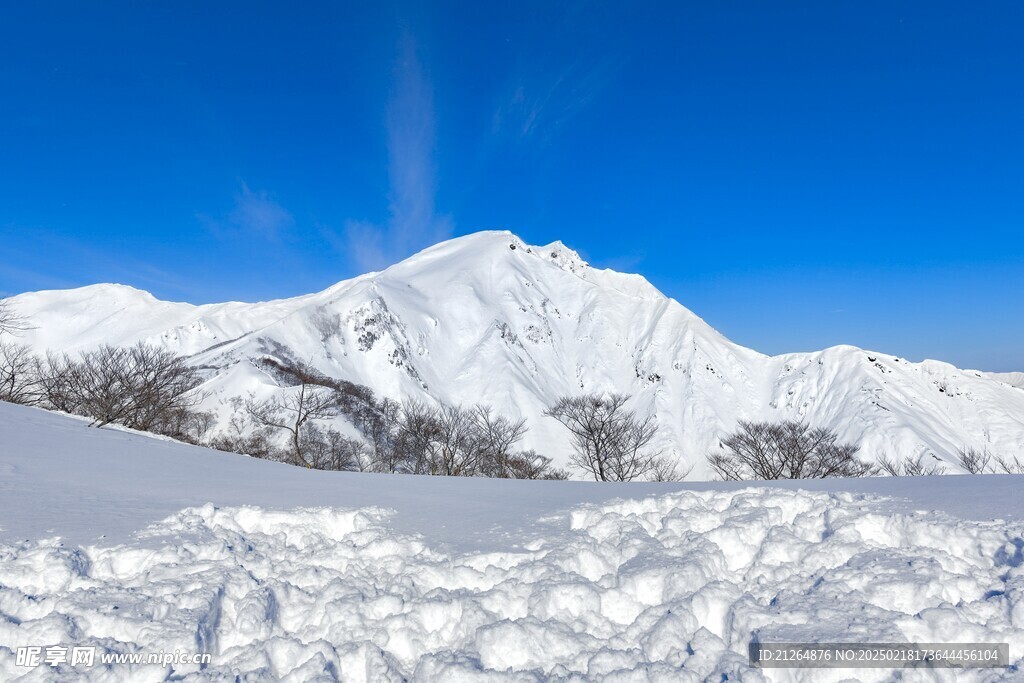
{"points": [[799, 174]]}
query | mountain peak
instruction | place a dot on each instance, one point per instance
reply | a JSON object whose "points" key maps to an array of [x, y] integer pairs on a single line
{"points": [[491, 242], [488, 248]]}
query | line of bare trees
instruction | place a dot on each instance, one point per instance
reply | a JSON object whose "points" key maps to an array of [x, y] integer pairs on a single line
{"points": [[140, 387], [610, 442], [794, 450], [975, 461], [970, 459], [409, 437], [146, 388]]}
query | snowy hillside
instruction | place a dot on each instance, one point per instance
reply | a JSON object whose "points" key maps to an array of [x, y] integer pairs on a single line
{"points": [[487, 318], [1012, 378], [281, 573]]}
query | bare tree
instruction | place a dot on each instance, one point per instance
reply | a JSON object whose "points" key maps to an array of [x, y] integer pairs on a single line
{"points": [[101, 382], [459, 452], [439, 440], [362, 456], [786, 450], [973, 460], [379, 421], [970, 459], [19, 370], [163, 387], [891, 467], [610, 442], [917, 467], [414, 448], [325, 448], [496, 437], [394, 440], [11, 322], [668, 469], [19, 374], [529, 465], [57, 388], [292, 411]]}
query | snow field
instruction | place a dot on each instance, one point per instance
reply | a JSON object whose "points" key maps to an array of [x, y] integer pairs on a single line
{"points": [[665, 588]]}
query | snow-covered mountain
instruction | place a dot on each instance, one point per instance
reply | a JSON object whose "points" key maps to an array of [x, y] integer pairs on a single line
{"points": [[487, 318]]}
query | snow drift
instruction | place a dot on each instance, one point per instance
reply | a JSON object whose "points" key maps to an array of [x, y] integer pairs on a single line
{"points": [[670, 588], [666, 583], [487, 318]]}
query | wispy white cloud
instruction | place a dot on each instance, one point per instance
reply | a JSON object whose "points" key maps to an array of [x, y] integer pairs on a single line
{"points": [[413, 221], [540, 100], [255, 215]]}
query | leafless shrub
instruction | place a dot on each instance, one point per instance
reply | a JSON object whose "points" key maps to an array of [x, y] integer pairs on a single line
{"points": [[141, 387], [10, 321], [917, 467], [240, 437], [1008, 465], [973, 460], [528, 465], [325, 448], [291, 412], [102, 383], [785, 450], [610, 442], [186, 425], [667, 469], [414, 437], [150, 389], [455, 441], [56, 382], [496, 438], [163, 387], [891, 467], [440, 440], [413, 444], [19, 374], [910, 467], [378, 422], [455, 447], [984, 462]]}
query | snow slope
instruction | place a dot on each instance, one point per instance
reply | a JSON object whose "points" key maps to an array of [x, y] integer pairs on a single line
{"points": [[487, 318], [1015, 379], [388, 577]]}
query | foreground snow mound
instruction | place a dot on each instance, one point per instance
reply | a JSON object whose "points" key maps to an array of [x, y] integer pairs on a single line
{"points": [[667, 588]]}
